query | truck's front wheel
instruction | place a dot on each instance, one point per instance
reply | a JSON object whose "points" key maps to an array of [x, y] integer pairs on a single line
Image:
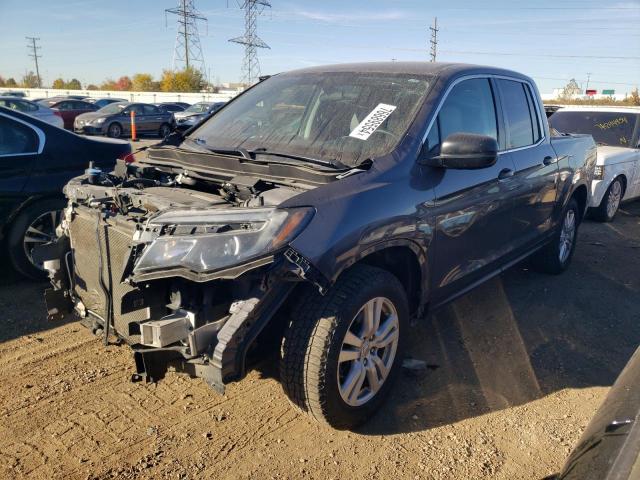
{"points": [[341, 352]]}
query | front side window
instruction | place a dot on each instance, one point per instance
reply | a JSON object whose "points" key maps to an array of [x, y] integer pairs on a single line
{"points": [[607, 128], [150, 110], [16, 138], [340, 117], [469, 108], [519, 122]]}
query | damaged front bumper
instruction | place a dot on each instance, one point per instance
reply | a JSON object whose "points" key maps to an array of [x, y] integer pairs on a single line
{"points": [[204, 329]]}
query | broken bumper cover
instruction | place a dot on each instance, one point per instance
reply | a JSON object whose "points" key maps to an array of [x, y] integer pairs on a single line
{"points": [[226, 362]]}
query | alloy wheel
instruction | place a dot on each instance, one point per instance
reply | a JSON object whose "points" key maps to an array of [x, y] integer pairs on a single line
{"points": [[368, 351], [614, 198], [42, 230], [567, 235]]}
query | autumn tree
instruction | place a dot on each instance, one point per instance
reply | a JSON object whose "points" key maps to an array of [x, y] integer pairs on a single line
{"points": [[74, 84], [30, 80], [3, 82], [187, 80], [58, 83], [11, 82], [571, 90], [124, 83], [91, 86], [108, 84], [635, 97], [143, 82]]}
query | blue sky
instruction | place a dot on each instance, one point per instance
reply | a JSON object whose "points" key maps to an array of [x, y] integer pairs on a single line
{"points": [[551, 41]]}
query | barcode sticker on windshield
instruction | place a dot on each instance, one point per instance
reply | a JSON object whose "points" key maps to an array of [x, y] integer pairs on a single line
{"points": [[372, 121]]}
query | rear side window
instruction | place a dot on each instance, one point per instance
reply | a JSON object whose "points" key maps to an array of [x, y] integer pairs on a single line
{"points": [[151, 110], [518, 115], [469, 108], [16, 138]]}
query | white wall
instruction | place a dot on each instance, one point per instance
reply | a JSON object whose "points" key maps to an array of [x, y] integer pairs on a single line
{"points": [[148, 97]]}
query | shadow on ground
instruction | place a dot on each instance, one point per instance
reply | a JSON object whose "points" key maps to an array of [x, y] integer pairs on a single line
{"points": [[524, 335], [21, 305]]}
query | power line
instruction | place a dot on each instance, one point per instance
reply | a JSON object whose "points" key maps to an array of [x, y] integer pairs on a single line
{"points": [[187, 51], [434, 39], [34, 48], [250, 39]]}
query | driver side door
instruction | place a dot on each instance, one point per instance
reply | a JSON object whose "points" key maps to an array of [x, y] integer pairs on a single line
{"points": [[473, 208]]}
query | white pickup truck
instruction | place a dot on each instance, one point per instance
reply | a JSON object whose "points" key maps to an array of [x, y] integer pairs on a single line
{"points": [[616, 131]]}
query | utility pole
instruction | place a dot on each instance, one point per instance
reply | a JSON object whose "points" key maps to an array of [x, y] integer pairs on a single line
{"points": [[188, 50], [588, 78], [250, 40], [434, 39], [34, 48]]}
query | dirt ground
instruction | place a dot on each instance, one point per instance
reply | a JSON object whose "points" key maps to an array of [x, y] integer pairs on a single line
{"points": [[515, 370]]}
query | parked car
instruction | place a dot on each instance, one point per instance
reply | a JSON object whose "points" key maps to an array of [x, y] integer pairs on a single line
{"points": [[182, 104], [115, 120], [34, 109], [37, 160], [609, 448], [170, 107], [616, 131], [14, 93], [103, 102], [196, 113], [313, 216], [69, 109]]}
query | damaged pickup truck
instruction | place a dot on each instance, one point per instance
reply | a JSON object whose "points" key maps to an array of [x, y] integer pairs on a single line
{"points": [[312, 217]]}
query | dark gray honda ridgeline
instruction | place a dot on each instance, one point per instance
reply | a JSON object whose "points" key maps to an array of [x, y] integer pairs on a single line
{"points": [[312, 216]]}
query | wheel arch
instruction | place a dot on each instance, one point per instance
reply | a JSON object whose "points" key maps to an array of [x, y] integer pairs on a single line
{"points": [[580, 194], [6, 228], [404, 262]]}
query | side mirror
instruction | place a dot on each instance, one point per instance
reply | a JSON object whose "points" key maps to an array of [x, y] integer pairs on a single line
{"points": [[465, 151]]}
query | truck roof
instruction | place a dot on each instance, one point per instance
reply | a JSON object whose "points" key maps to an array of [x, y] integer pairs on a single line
{"points": [[440, 69]]}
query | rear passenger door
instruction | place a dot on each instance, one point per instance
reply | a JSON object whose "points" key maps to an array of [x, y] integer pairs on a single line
{"points": [[473, 207], [536, 175], [155, 116]]}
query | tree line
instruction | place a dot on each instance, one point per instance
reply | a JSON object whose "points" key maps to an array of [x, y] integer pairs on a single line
{"points": [[187, 80]]}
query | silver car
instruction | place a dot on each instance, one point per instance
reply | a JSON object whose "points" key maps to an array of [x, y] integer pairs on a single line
{"points": [[195, 113], [45, 114]]}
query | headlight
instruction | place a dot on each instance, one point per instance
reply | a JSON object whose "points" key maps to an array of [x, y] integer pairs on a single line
{"points": [[207, 240], [98, 120], [598, 172]]}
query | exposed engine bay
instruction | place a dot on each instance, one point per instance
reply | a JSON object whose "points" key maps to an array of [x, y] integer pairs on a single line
{"points": [[184, 269]]}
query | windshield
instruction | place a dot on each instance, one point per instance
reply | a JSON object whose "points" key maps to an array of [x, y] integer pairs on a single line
{"points": [[607, 128], [320, 115], [112, 108], [198, 108]]}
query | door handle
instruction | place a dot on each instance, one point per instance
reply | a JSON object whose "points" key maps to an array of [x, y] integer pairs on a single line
{"points": [[505, 173], [549, 160]]}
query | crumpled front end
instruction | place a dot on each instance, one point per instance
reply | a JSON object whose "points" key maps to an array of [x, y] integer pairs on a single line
{"points": [[181, 276]]}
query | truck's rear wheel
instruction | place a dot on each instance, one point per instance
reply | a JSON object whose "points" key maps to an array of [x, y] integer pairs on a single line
{"points": [[556, 256], [341, 352]]}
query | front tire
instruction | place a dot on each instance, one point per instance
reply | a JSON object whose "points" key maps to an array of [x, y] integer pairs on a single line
{"points": [[165, 130], [555, 257], [341, 352], [114, 130], [35, 225], [606, 211]]}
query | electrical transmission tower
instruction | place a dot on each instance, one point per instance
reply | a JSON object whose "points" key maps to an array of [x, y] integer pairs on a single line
{"points": [[434, 39], [250, 39], [34, 48], [188, 51]]}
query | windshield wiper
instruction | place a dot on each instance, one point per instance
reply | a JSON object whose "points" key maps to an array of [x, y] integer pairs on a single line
{"points": [[325, 163], [236, 151]]}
